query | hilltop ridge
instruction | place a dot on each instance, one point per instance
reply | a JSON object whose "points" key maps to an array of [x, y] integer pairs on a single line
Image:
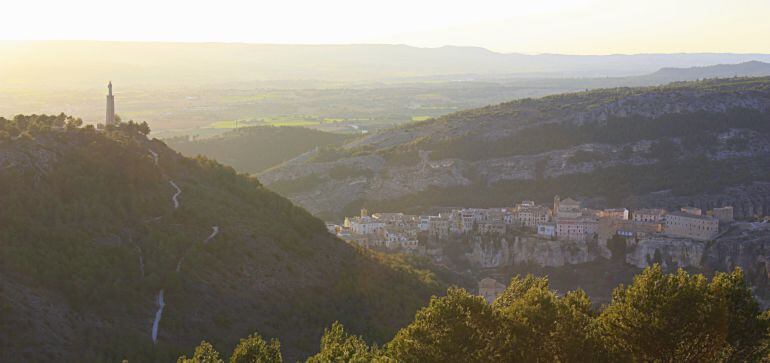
{"points": [[111, 240], [688, 138]]}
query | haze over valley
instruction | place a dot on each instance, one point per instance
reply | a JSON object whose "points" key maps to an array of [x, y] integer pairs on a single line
{"points": [[497, 181]]}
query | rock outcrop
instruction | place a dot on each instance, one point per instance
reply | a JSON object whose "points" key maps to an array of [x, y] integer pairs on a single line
{"points": [[745, 245]]}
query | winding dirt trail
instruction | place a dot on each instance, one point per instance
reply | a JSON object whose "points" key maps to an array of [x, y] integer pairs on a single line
{"points": [[214, 233], [154, 155], [160, 298], [161, 304], [175, 197]]}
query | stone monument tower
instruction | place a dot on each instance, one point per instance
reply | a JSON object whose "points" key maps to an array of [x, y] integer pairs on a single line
{"points": [[110, 107]]}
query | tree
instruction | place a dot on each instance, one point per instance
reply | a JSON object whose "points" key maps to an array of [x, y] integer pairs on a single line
{"points": [[664, 318], [538, 325], [254, 349], [339, 346], [73, 123], [458, 327], [204, 353], [746, 327], [144, 128]]}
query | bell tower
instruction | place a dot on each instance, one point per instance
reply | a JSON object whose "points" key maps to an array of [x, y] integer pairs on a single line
{"points": [[110, 120]]}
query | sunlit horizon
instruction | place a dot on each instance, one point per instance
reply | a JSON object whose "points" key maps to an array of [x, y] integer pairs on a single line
{"points": [[595, 27]]}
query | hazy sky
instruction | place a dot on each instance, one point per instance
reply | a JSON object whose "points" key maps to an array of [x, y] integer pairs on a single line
{"points": [[556, 26]]}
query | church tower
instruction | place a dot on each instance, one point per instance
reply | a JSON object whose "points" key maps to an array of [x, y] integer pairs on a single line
{"points": [[110, 120], [556, 202]]}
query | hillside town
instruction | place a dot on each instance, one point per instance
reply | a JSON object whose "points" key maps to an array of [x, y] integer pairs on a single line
{"points": [[566, 220]]}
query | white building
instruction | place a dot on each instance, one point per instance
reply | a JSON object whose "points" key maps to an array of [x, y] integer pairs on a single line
{"points": [[438, 226], [530, 215], [576, 228], [423, 223], [364, 225]]}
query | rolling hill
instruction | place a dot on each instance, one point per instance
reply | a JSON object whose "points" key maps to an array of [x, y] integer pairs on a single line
{"points": [[115, 246], [254, 149], [670, 74], [704, 143]]}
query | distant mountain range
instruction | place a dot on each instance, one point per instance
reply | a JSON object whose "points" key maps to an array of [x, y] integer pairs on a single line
{"points": [[745, 69], [88, 63]]}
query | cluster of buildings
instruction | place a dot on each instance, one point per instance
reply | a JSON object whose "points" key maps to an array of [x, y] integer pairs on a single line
{"points": [[565, 220], [569, 221], [392, 231]]}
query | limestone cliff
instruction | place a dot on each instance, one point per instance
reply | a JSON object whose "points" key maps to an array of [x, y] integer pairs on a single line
{"points": [[745, 245], [708, 142], [529, 251]]}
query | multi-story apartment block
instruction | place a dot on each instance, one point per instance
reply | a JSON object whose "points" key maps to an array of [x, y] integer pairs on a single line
{"points": [[438, 227], [531, 216], [363, 225], [576, 228], [694, 226]]}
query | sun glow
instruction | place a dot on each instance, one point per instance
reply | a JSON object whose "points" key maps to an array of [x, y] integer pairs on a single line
{"points": [[576, 27]]}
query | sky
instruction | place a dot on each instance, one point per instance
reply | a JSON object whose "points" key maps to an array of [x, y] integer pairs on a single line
{"points": [[531, 27]]}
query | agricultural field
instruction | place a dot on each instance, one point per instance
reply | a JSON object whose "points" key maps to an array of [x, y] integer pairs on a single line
{"points": [[211, 110]]}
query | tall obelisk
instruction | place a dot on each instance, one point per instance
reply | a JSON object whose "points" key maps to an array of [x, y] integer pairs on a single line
{"points": [[110, 107]]}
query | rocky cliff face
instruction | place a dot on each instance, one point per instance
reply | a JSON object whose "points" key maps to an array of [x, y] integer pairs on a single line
{"points": [[671, 253], [745, 245], [747, 200], [495, 129], [529, 251]]}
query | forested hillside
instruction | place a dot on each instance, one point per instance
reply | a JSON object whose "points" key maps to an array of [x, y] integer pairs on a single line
{"points": [[106, 236], [613, 146], [254, 149]]}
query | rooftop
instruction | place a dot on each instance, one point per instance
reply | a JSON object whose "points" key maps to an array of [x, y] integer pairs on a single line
{"points": [[693, 216]]}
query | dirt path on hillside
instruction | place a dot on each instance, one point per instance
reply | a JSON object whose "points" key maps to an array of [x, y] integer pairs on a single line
{"points": [[160, 297]]}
